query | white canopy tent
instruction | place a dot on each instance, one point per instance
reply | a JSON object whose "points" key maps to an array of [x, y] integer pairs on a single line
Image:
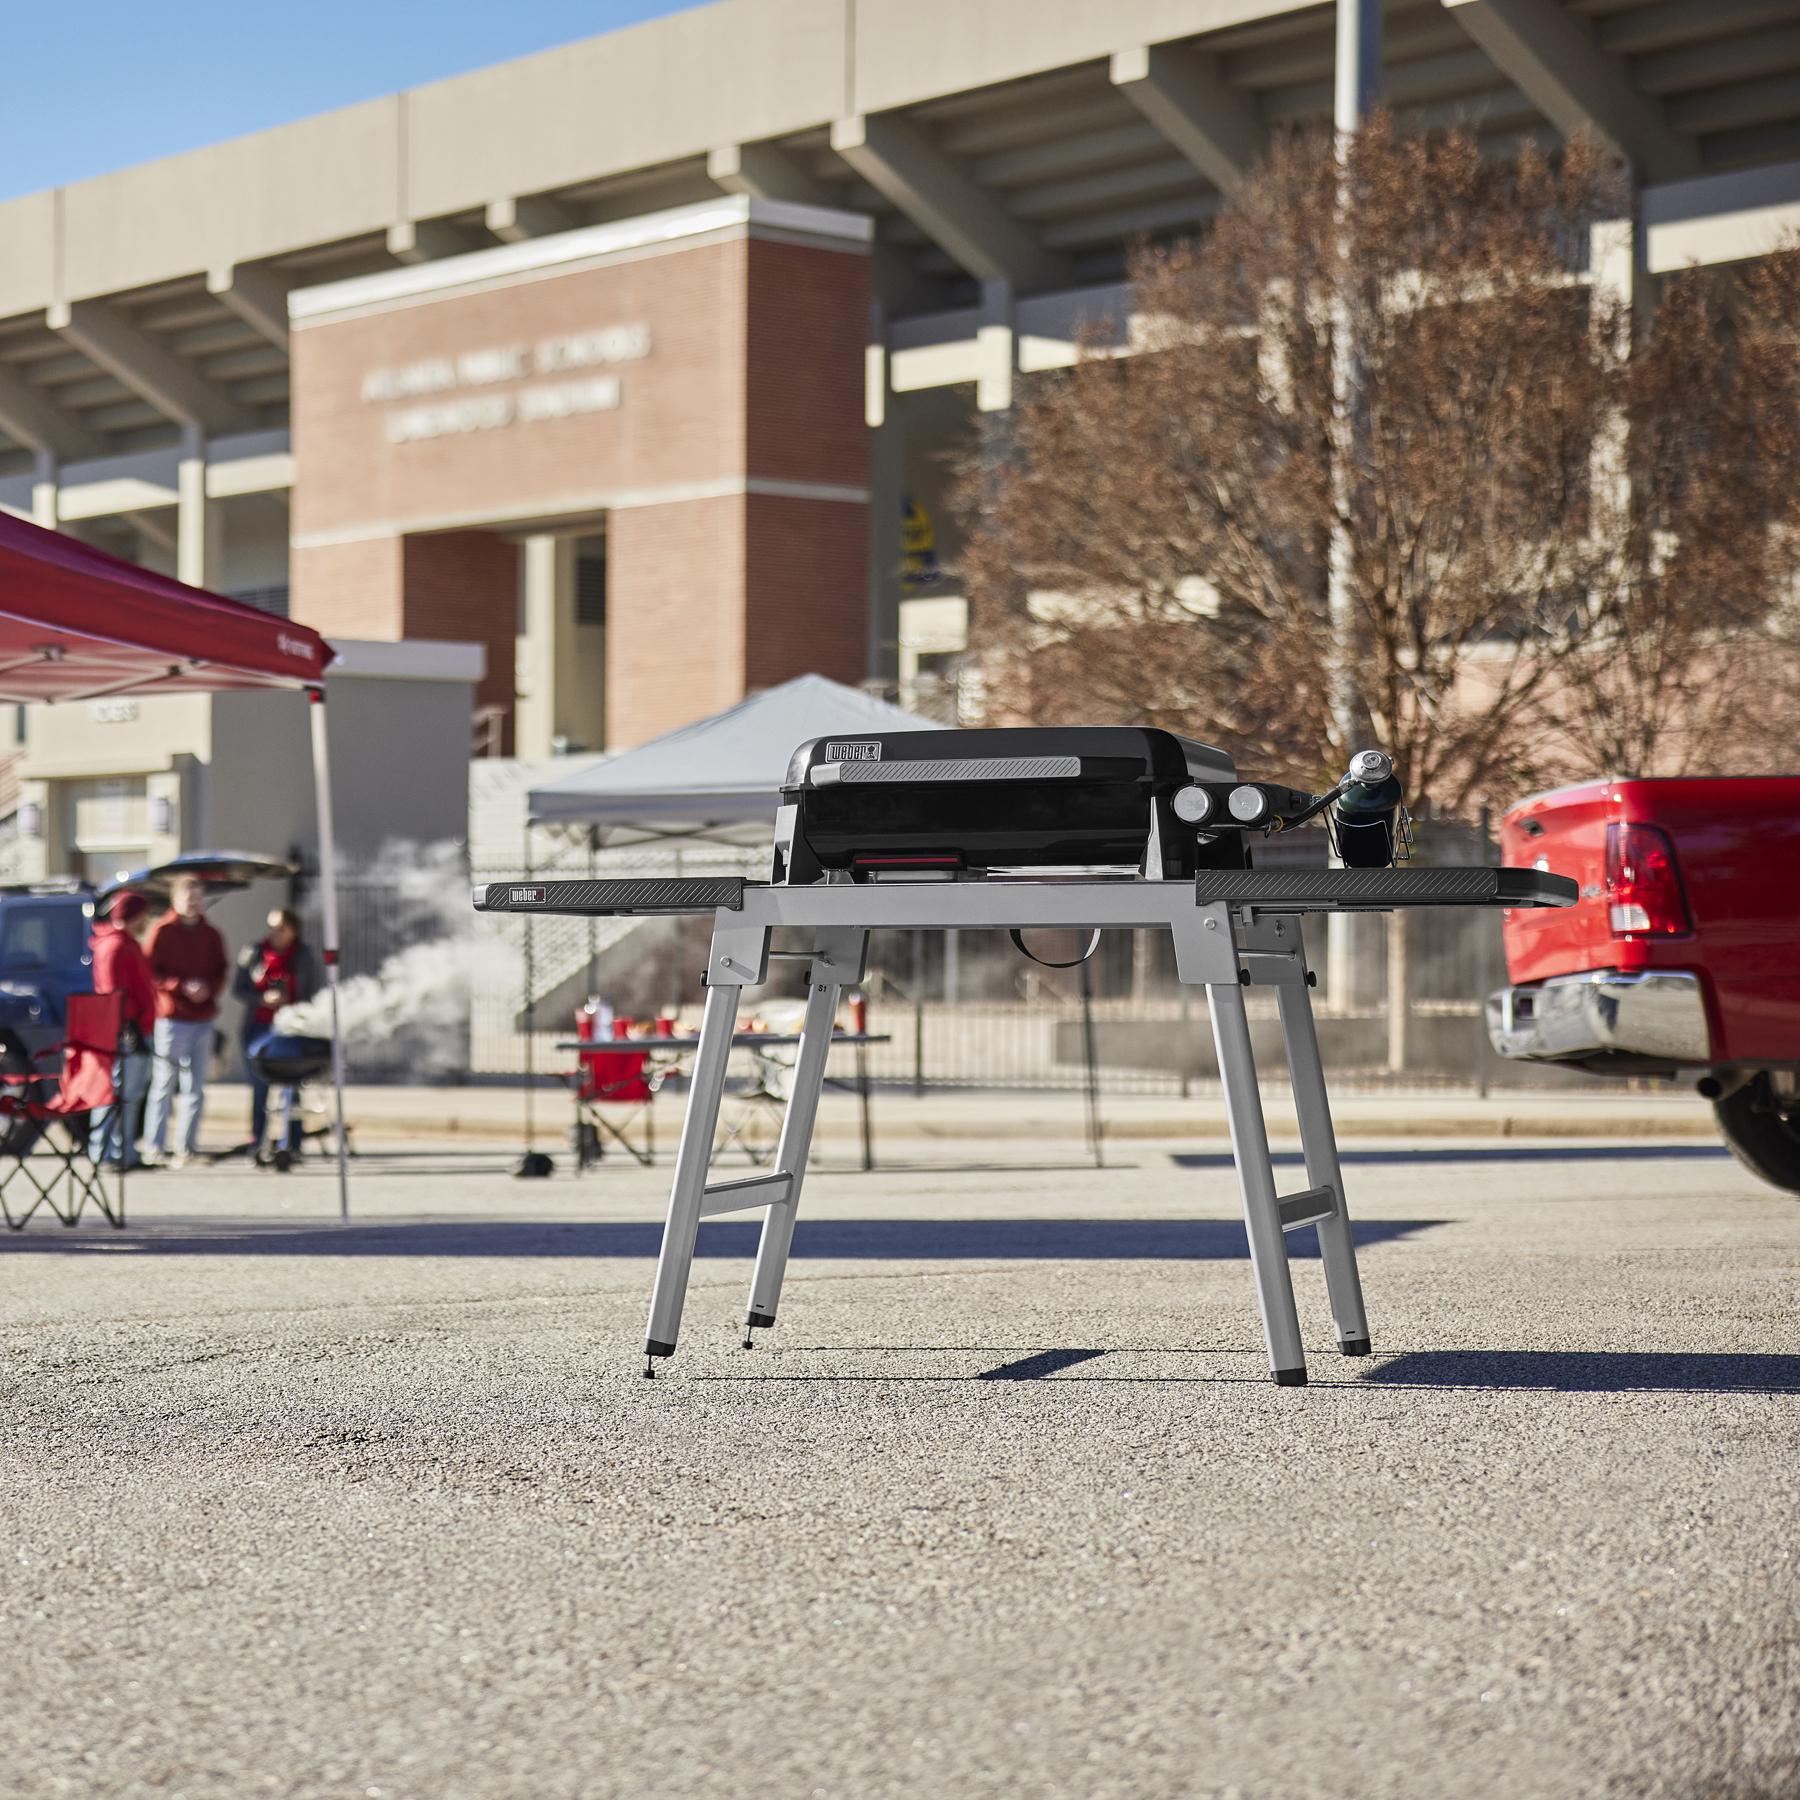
{"points": [[718, 779]]}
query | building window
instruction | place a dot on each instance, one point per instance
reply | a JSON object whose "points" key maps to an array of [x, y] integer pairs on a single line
{"points": [[270, 599]]}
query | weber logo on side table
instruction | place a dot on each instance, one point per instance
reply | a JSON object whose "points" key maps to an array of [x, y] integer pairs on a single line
{"points": [[525, 896]]}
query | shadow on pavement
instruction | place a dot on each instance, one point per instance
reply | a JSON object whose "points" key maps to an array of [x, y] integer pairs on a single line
{"points": [[1554, 1371], [1594, 1371], [1080, 1166], [1034, 1368], [1479, 1153], [845, 1240]]}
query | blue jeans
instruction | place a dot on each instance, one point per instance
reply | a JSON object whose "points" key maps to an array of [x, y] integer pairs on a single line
{"points": [[183, 1049], [259, 1096], [109, 1127]]}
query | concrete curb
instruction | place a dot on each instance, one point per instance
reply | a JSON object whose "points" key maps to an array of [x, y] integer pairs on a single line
{"points": [[1002, 1127], [496, 1116]]}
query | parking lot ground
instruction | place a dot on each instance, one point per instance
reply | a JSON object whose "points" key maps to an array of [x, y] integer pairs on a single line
{"points": [[1005, 1504]]}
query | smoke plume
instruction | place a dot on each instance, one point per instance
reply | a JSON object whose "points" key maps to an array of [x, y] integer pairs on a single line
{"points": [[412, 911]]}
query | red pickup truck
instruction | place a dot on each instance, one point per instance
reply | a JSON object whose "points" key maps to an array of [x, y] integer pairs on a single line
{"points": [[1682, 955]]}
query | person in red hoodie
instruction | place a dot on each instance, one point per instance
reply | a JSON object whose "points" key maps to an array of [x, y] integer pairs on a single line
{"points": [[120, 967], [188, 965]]}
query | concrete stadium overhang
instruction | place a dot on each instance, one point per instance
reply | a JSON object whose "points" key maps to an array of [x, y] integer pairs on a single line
{"points": [[1009, 154]]}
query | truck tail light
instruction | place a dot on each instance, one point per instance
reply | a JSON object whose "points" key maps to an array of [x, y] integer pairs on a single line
{"points": [[1643, 884]]}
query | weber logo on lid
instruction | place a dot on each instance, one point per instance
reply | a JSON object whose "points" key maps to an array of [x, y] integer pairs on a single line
{"points": [[853, 753], [525, 897]]}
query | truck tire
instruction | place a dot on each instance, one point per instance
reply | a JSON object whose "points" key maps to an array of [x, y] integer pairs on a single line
{"points": [[1763, 1136]]}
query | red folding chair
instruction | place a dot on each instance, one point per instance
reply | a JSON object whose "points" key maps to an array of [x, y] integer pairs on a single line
{"points": [[90, 1053], [622, 1078]]}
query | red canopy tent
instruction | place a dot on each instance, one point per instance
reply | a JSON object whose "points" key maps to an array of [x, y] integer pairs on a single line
{"points": [[78, 624]]}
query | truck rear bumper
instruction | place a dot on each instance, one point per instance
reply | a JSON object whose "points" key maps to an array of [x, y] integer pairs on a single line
{"points": [[1658, 1014]]}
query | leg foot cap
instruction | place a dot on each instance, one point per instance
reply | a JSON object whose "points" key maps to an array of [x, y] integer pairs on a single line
{"points": [[1290, 1377], [1354, 1346], [758, 1321]]}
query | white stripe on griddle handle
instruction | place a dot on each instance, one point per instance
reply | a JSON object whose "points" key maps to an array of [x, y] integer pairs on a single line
{"points": [[964, 768]]}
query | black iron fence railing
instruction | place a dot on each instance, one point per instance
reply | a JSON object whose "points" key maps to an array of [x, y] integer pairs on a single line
{"points": [[440, 993]]}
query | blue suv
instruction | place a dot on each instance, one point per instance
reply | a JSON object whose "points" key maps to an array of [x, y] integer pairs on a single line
{"points": [[46, 954]]}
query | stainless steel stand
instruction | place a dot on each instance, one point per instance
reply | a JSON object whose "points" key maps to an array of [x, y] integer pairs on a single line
{"points": [[1217, 946]]}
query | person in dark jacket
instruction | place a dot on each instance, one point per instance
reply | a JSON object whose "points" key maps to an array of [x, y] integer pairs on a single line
{"points": [[189, 968], [120, 967], [280, 971]]}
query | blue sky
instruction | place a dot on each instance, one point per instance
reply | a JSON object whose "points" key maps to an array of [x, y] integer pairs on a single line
{"points": [[91, 85]]}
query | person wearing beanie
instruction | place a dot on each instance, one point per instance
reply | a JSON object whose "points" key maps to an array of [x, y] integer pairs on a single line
{"points": [[120, 967]]}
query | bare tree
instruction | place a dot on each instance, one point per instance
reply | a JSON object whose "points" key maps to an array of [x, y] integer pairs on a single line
{"points": [[1152, 539], [1688, 592]]}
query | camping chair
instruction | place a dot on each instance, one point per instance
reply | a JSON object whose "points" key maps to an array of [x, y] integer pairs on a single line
{"points": [[624, 1079], [90, 1054]]}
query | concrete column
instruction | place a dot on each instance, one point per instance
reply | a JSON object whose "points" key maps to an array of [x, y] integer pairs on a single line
{"points": [[1618, 277], [166, 787], [46, 490], [34, 853], [1356, 90], [197, 544], [1399, 992], [887, 487], [1615, 262], [997, 347], [534, 724]]}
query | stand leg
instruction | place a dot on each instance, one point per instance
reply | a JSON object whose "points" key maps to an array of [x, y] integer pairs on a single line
{"points": [[862, 1099], [691, 1159], [1256, 1182], [1337, 1248], [790, 1155]]}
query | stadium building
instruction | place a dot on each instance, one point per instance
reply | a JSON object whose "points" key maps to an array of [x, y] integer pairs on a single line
{"points": [[643, 362]]}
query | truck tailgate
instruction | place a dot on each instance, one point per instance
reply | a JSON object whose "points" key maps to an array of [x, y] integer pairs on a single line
{"points": [[1736, 841], [1563, 833]]}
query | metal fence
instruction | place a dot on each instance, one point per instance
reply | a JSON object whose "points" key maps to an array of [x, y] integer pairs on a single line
{"points": [[963, 1009]]}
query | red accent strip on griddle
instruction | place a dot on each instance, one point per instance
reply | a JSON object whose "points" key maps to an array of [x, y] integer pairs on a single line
{"points": [[936, 860]]}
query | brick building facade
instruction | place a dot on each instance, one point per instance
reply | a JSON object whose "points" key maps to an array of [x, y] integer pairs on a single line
{"points": [[681, 393]]}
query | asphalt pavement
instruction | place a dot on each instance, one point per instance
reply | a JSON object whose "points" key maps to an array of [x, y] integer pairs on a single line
{"points": [[1005, 1504]]}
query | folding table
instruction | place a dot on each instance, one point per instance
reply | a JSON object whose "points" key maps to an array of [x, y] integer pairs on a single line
{"points": [[672, 1049]]}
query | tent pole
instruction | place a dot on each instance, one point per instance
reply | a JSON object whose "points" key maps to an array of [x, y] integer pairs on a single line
{"points": [[530, 1018], [328, 888], [593, 924]]}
